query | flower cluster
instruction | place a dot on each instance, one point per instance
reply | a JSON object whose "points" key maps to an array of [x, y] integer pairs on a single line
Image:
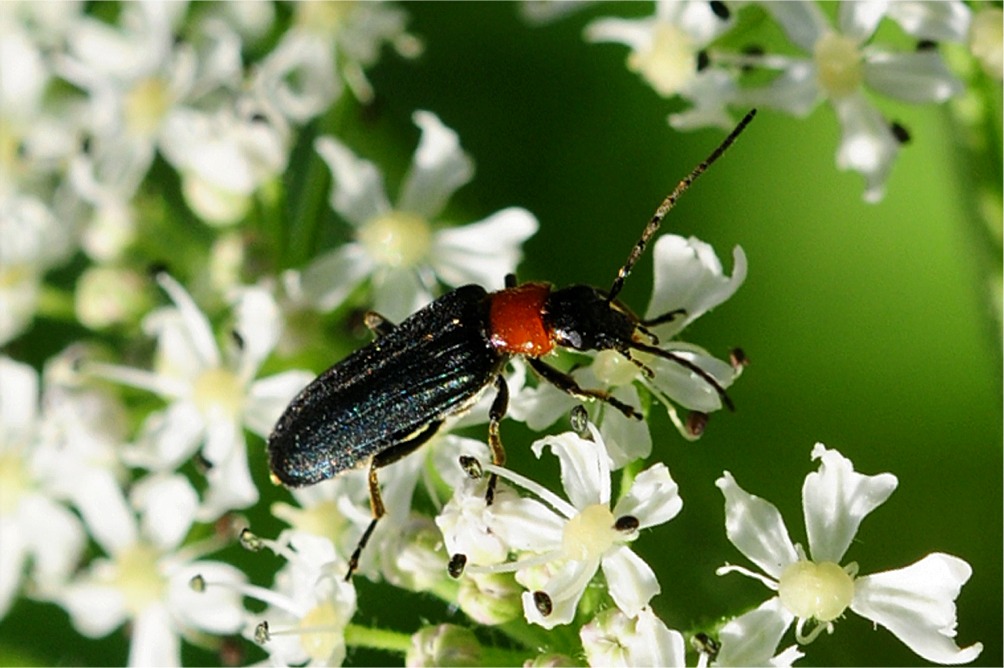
{"points": [[165, 167]]}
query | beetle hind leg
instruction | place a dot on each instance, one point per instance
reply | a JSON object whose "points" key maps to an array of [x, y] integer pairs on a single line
{"points": [[379, 460]]}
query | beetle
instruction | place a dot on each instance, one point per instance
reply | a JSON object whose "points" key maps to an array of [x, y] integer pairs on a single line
{"points": [[386, 399]]}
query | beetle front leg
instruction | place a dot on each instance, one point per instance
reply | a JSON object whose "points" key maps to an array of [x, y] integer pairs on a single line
{"points": [[378, 324], [381, 459], [566, 383], [495, 414]]}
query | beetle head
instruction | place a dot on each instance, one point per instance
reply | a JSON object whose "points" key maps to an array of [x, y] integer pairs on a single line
{"points": [[582, 318]]}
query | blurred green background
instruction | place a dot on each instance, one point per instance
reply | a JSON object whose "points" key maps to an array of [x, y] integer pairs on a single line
{"points": [[868, 327]]}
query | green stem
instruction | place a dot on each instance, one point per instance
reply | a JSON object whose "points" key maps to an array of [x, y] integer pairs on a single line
{"points": [[390, 641]]}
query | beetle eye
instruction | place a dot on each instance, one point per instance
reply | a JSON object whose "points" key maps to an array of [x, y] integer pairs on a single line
{"points": [[570, 339]]}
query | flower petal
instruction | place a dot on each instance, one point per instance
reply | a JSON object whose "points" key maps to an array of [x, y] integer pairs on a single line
{"points": [[329, 278], [585, 468], [259, 325], [751, 639], [867, 145], [191, 346], [565, 589], [686, 388], [18, 403], [631, 582], [756, 528], [917, 604], [357, 189], [167, 504], [268, 398], [482, 252], [216, 609], [859, 20], [438, 168], [689, 276], [918, 77], [835, 500], [654, 498], [154, 641], [803, 21], [939, 21]]}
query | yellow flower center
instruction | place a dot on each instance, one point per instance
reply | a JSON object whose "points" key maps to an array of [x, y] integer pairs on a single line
{"points": [[669, 62], [14, 480], [320, 519], [816, 591], [145, 106], [838, 65], [324, 18], [319, 631], [138, 577], [589, 534], [218, 391], [397, 239]]}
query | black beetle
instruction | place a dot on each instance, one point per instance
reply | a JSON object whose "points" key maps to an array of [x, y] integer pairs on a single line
{"points": [[385, 400]]}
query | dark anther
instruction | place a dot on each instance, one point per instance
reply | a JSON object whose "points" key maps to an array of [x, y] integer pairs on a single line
{"points": [[471, 466], [696, 423], [901, 134], [752, 51], [703, 60], [543, 603], [156, 269], [737, 358], [258, 117], [202, 464], [705, 644], [250, 542], [237, 338], [261, 634], [456, 565], [580, 422], [197, 583], [720, 9], [626, 523], [926, 45]]}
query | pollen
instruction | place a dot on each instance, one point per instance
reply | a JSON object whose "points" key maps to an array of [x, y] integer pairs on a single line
{"points": [[589, 534], [14, 479], [398, 239], [669, 62], [320, 631], [838, 65], [138, 577], [218, 390], [820, 591], [145, 106]]}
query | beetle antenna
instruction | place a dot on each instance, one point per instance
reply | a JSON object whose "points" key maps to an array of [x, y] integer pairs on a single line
{"points": [[670, 202], [690, 366]]}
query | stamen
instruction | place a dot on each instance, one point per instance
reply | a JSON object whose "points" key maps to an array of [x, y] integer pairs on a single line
{"points": [[543, 603], [544, 494]]}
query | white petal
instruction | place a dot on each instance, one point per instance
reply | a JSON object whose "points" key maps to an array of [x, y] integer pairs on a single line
{"points": [[917, 604], [12, 564], [107, 514], [636, 34], [794, 90], [941, 21], [438, 169], [803, 21], [482, 252], [167, 505], [357, 190], [397, 293], [565, 589], [919, 77], [858, 20], [268, 397], [298, 75], [756, 528], [654, 498], [217, 609], [867, 145], [540, 407], [631, 582], [259, 324], [752, 638], [95, 610], [329, 278], [662, 647], [626, 439], [154, 640], [198, 334], [688, 275], [54, 538], [686, 388], [230, 485], [585, 468], [18, 402], [526, 524], [168, 437], [835, 500]]}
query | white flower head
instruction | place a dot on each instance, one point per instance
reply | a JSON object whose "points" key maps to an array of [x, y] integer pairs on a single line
{"points": [[688, 281], [147, 577], [563, 543], [212, 396], [614, 639], [668, 50], [843, 64], [401, 247], [916, 603]]}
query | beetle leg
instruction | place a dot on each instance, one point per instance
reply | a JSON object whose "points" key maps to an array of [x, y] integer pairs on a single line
{"points": [[510, 280], [665, 317], [566, 383], [495, 414], [379, 460], [378, 324]]}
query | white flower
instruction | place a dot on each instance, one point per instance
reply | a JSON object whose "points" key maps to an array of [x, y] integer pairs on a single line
{"points": [[614, 639], [212, 397], [751, 639], [147, 578], [566, 542], [843, 64], [401, 247], [690, 279], [310, 603], [668, 51], [916, 603], [36, 531]]}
